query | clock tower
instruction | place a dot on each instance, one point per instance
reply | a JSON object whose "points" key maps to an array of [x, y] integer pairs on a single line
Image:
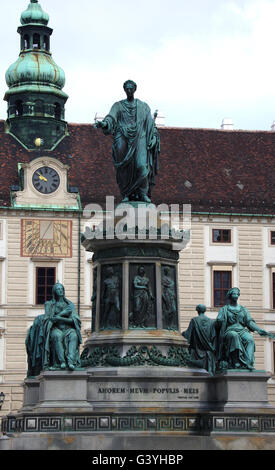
{"points": [[36, 102]]}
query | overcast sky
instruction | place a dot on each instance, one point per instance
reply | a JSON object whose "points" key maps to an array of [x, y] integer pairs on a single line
{"points": [[195, 61]]}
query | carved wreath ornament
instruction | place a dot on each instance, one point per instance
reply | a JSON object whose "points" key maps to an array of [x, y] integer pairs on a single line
{"points": [[135, 356]]}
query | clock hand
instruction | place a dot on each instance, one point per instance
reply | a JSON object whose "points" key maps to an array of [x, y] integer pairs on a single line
{"points": [[42, 177]]}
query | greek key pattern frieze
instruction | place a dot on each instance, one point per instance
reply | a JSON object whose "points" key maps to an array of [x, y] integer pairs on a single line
{"points": [[244, 424], [197, 424]]}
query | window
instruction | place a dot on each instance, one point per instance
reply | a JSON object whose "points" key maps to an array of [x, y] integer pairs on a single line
{"points": [[36, 41], [57, 111], [26, 41], [46, 43], [222, 284], [221, 236], [45, 280], [273, 290], [272, 237], [18, 108]]}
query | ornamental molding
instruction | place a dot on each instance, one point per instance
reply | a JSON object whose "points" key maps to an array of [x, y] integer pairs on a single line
{"points": [[48, 260], [221, 263], [177, 356], [199, 424]]}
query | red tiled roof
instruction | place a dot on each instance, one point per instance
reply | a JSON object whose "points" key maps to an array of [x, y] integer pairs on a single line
{"points": [[214, 170]]}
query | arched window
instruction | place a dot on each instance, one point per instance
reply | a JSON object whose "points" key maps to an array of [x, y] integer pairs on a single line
{"points": [[46, 44], [57, 111], [26, 41], [36, 41], [18, 108]]}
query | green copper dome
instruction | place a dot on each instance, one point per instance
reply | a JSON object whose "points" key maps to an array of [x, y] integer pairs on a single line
{"points": [[35, 68], [36, 101], [34, 14]]}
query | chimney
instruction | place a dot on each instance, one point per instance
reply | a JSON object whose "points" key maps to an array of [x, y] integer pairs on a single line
{"points": [[227, 124]]}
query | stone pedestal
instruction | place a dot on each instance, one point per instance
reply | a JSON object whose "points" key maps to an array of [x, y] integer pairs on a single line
{"points": [[130, 389], [127, 330], [242, 389], [119, 408], [136, 390], [56, 390]]}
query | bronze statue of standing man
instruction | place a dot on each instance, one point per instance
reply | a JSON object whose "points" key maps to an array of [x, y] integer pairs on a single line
{"points": [[136, 145], [111, 302]]}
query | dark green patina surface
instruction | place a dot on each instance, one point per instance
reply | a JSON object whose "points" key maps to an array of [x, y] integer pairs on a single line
{"points": [[136, 145], [225, 343], [53, 340], [36, 102], [136, 356]]}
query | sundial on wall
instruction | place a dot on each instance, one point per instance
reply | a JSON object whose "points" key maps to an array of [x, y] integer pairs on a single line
{"points": [[46, 238]]}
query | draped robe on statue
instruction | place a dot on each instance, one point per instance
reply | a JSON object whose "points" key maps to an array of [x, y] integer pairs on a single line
{"points": [[133, 129], [201, 336], [235, 336], [35, 346], [69, 335], [41, 348]]}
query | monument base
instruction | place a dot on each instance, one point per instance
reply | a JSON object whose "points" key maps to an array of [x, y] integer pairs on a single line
{"points": [[142, 408], [138, 441]]}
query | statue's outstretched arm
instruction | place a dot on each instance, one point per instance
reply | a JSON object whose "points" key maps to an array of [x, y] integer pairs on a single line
{"points": [[101, 124], [108, 124], [254, 327]]}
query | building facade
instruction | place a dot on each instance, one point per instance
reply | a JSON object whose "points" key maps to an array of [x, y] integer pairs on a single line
{"points": [[50, 171]]}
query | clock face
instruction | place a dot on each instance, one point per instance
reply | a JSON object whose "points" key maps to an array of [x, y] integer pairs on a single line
{"points": [[46, 180]]}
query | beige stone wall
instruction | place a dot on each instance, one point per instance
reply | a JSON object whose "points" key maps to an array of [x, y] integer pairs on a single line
{"points": [[192, 275], [248, 264], [250, 244], [17, 281], [17, 309]]}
